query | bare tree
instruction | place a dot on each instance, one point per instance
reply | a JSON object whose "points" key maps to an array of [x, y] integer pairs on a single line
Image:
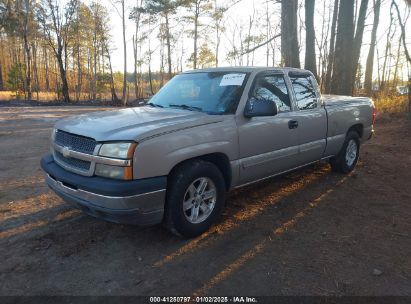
{"points": [[122, 15], [136, 16], [198, 8], [370, 59], [166, 8], [407, 54], [123, 18], [331, 54], [78, 53], [358, 37], [27, 48], [390, 35], [218, 24], [56, 24], [114, 97], [35, 69], [403, 31]]}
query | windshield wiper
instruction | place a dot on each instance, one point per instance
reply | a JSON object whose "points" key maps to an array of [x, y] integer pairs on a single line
{"points": [[155, 105], [186, 107]]}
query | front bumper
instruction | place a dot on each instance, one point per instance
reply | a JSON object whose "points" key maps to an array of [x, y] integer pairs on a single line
{"points": [[137, 202]]}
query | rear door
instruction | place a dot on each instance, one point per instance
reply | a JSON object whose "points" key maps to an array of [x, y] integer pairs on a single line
{"points": [[311, 117], [268, 145]]}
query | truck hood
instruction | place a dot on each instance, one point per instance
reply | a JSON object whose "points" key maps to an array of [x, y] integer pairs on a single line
{"points": [[134, 123]]}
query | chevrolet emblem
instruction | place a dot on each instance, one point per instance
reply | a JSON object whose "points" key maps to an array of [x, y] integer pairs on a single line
{"points": [[65, 152]]}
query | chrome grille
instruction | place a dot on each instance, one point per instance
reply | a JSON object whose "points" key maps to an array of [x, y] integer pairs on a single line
{"points": [[78, 164], [75, 142]]}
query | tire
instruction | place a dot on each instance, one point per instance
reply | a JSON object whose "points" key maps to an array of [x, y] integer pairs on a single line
{"points": [[347, 158], [191, 208]]}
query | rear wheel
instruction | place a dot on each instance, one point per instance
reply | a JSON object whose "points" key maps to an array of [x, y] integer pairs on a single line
{"points": [[347, 158], [195, 198]]}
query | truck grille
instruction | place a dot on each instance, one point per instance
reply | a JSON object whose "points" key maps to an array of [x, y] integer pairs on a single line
{"points": [[75, 142], [75, 163]]}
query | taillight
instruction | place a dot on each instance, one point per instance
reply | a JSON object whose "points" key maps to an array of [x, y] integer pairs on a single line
{"points": [[374, 114]]}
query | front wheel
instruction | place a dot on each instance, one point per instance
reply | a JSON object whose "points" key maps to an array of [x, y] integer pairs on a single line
{"points": [[195, 198], [347, 158]]}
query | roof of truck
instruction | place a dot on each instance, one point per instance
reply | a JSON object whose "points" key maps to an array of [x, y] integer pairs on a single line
{"points": [[247, 69]]}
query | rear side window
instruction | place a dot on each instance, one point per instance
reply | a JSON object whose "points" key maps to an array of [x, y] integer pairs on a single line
{"points": [[304, 92], [273, 88]]}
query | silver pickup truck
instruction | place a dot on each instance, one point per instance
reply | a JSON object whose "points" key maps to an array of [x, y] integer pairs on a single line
{"points": [[204, 133]]}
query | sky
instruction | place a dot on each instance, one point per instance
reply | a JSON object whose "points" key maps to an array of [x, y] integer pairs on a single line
{"points": [[240, 13]]}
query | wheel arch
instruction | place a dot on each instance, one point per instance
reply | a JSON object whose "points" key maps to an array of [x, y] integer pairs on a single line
{"points": [[220, 160], [359, 128]]}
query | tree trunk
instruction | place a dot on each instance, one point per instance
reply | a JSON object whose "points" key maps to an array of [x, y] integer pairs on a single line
{"points": [[1, 77], [64, 84], [79, 73], [310, 58], [402, 25], [135, 49], [150, 78], [358, 38], [27, 49], [250, 27], [217, 46], [24, 71], [197, 12], [114, 97], [135, 66], [1, 67], [409, 97], [89, 74], [406, 51], [289, 37], [124, 95], [267, 33], [162, 64], [370, 59], [342, 75], [168, 47], [35, 69], [94, 97], [397, 62], [46, 72], [386, 53], [330, 63], [28, 66]]}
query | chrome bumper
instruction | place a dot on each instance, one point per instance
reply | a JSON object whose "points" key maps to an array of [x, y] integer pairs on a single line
{"points": [[138, 202], [142, 209]]}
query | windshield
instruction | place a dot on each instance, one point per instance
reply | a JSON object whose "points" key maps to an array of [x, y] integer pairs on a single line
{"points": [[213, 93]]}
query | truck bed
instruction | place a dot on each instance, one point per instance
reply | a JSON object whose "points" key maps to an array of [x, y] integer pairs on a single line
{"points": [[332, 100]]}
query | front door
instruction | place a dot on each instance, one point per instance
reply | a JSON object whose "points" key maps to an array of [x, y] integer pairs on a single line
{"points": [[268, 145]]}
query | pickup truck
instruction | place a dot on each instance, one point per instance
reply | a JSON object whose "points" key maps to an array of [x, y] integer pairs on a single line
{"points": [[205, 132]]}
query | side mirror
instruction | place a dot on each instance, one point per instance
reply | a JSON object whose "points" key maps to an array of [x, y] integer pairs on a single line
{"points": [[260, 107]]}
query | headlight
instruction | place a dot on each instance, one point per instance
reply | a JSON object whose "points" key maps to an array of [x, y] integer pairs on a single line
{"points": [[118, 150], [125, 173], [121, 150]]}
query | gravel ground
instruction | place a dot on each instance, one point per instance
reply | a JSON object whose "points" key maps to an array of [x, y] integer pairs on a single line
{"points": [[311, 232]]}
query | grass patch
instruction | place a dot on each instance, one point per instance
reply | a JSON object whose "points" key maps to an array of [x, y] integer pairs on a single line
{"points": [[390, 103], [42, 97]]}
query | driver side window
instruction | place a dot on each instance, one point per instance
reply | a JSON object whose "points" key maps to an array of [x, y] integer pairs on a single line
{"points": [[273, 88]]}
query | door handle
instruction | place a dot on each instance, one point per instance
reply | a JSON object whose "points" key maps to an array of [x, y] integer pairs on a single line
{"points": [[293, 124]]}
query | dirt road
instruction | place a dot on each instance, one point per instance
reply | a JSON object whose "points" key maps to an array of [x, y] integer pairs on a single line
{"points": [[311, 232]]}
